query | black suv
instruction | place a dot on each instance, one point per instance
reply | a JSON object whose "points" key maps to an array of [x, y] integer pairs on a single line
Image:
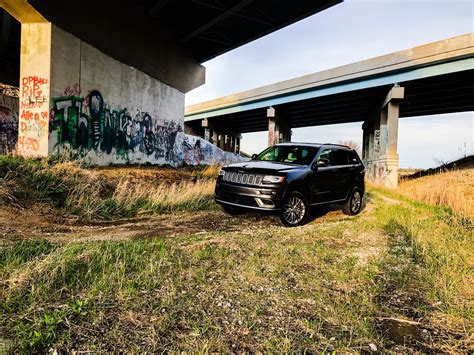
{"points": [[292, 177]]}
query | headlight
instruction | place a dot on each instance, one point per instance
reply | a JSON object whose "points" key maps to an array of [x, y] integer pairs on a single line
{"points": [[221, 172], [269, 179]]}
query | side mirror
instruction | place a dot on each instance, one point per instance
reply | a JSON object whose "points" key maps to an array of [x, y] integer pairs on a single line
{"points": [[314, 166], [254, 156]]}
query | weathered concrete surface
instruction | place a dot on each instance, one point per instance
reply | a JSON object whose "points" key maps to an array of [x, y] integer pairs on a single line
{"points": [[380, 140], [451, 48], [176, 67], [78, 101], [8, 119], [105, 112], [35, 67], [278, 128]]}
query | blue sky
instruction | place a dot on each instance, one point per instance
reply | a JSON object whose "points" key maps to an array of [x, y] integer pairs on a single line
{"points": [[352, 31]]}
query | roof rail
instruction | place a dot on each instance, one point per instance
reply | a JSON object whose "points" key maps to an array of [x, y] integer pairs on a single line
{"points": [[339, 145]]}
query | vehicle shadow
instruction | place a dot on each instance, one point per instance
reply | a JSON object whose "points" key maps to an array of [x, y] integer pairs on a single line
{"points": [[332, 211], [324, 210]]}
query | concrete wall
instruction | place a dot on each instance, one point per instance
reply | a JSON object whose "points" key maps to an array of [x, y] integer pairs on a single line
{"points": [[105, 112], [8, 119]]}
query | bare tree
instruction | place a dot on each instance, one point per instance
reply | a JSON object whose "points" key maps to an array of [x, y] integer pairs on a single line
{"points": [[351, 144]]}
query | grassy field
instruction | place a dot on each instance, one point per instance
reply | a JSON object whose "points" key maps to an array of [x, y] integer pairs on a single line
{"points": [[453, 189], [398, 277]]}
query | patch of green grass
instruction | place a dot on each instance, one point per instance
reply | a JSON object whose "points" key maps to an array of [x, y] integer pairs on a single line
{"points": [[434, 254], [310, 288], [15, 255]]}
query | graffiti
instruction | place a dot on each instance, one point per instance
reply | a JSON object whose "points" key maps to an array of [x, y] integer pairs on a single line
{"points": [[89, 124], [92, 130], [33, 116], [7, 90], [377, 141], [72, 90], [8, 123], [33, 91], [198, 151]]}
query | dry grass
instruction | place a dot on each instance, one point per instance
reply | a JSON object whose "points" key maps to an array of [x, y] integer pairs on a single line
{"points": [[453, 189], [93, 193], [165, 197]]}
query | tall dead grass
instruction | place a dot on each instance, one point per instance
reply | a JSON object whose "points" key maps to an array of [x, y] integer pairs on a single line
{"points": [[91, 194], [165, 198], [453, 189], [94, 195]]}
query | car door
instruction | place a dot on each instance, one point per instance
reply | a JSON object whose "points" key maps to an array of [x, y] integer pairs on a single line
{"points": [[321, 180], [342, 172]]}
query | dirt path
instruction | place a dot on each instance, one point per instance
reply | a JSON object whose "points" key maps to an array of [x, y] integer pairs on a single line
{"points": [[20, 224], [42, 222]]}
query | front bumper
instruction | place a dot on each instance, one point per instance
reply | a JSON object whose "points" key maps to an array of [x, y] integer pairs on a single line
{"points": [[263, 198]]}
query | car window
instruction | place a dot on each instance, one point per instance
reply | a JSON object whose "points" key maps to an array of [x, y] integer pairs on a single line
{"points": [[353, 158], [288, 154], [269, 155], [326, 155], [340, 157]]}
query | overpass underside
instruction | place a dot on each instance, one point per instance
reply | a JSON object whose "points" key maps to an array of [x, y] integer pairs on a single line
{"points": [[441, 83], [104, 81], [437, 95]]}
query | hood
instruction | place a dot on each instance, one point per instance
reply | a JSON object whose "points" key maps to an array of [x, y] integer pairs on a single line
{"points": [[255, 165]]}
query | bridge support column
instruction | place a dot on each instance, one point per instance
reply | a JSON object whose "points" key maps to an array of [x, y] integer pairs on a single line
{"points": [[218, 135], [214, 137], [380, 141], [35, 78], [278, 128]]}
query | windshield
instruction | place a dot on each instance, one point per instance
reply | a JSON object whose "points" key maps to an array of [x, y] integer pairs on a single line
{"points": [[297, 155]]}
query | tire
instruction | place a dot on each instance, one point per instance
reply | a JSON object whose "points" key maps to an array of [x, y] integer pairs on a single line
{"points": [[295, 210], [353, 205], [233, 210]]}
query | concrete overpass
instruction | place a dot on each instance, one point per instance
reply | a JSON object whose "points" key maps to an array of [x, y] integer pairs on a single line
{"points": [[430, 79], [106, 79]]}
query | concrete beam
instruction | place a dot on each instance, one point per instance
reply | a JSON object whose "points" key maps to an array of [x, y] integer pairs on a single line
{"points": [[22, 11], [138, 44], [396, 93], [409, 59]]}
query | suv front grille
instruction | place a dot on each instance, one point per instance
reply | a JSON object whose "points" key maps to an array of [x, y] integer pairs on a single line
{"points": [[242, 178]]}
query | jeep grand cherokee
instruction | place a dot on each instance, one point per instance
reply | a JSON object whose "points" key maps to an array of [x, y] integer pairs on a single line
{"points": [[292, 177]]}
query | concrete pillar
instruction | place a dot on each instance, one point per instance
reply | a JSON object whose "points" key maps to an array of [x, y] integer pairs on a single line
{"points": [[380, 148], [232, 144], [35, 78], [228, 143], [365, 140], [278, 127], [207, 134], [221, 143], [215, 137]]}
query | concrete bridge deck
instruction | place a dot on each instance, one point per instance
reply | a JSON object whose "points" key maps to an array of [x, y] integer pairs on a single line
{"points": [[434, 76], [431, 79]]}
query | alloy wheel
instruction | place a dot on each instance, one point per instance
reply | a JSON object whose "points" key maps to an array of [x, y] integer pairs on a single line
{"points": [[294, 210], [356, 202]]}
